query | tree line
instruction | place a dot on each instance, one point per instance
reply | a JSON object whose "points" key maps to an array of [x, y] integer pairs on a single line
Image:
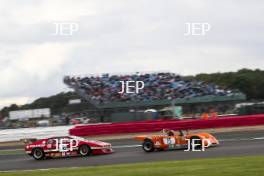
{"points": [[250, 82]]}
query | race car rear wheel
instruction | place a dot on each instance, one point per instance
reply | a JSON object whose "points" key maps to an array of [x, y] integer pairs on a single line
{"points": [[197, 141], [38, 154], [85, 150], [148, 146]]}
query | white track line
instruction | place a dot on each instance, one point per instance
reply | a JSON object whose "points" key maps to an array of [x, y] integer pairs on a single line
{"points": [[221, 140], [259, 138], [7, 150], [132, 146], [127, 146], [241, 139]]}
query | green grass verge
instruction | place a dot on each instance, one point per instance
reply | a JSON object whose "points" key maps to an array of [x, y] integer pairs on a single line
{"points": [[237, 166]]}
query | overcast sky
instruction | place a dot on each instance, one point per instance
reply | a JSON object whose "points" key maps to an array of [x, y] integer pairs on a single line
{"points": [[122, 36]]}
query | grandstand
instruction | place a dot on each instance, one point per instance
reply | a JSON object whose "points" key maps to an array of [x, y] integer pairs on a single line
{"points": [[161, 90]]}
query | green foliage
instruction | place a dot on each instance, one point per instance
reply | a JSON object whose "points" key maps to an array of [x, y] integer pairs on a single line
{"points": [[56, 103], [250, 82]]}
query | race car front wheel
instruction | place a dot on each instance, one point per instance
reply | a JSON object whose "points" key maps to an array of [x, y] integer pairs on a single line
{"points": [[85, 150], [148, 146], [38, 154]]}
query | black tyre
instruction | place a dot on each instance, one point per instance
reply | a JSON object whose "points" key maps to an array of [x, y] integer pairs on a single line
{"points": [[197, 141], [148, 146], [38, 154], [84, 150]]}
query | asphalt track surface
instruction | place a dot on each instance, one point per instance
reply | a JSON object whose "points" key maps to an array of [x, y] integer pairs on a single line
{"points": [[130, 151]]}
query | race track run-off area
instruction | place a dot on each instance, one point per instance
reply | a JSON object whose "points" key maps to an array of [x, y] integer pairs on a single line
{"points": [[232, 144]]}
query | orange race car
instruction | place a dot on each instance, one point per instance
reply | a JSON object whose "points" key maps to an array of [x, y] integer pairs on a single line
{"points": [[176, 140]]}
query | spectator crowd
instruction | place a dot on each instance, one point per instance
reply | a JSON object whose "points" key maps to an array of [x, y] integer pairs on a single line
{"points": [[158, 86]]}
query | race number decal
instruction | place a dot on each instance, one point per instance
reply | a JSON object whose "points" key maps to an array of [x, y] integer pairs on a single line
{"points": [[169, 140]]}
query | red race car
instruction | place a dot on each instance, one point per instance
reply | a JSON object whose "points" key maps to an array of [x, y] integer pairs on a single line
{"points": [[66, 146]]}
